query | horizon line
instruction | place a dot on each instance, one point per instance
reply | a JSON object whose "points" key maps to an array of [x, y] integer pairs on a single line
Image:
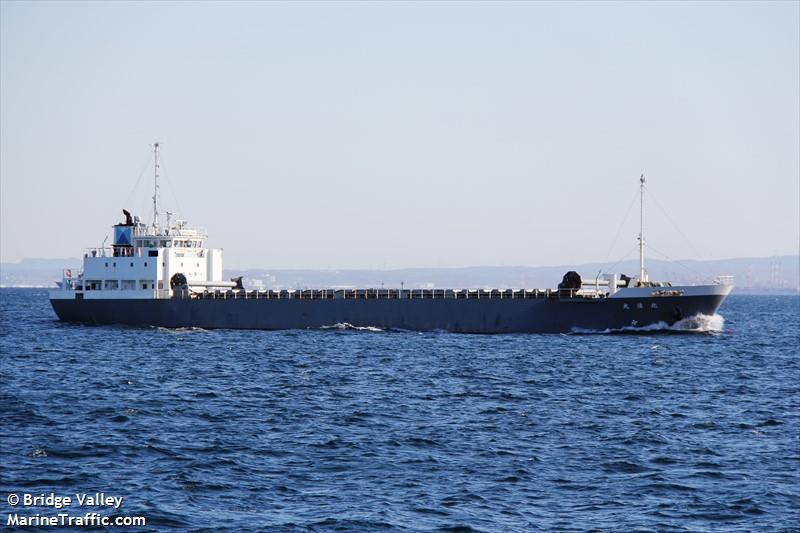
{"points": [[560, 265]]}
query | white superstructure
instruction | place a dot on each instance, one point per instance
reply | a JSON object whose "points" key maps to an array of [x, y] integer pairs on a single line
{"points": [[146, 261]]}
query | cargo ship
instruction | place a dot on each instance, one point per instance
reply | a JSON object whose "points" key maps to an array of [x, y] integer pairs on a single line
{"points": [[163, 275]]}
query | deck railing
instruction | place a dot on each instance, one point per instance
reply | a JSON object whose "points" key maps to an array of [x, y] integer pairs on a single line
{"points": [[174, 231], [98, 252], [385, 294]]}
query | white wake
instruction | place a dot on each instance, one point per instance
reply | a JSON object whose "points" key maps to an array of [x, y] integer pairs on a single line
{"points": [[189, 329], [699, 323], [346, 325]]}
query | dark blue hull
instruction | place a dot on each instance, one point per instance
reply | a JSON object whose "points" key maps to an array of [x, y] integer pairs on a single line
{"points": [[464, 316]]}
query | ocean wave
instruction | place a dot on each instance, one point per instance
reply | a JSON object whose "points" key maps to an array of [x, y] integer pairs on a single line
{"points": [[702, 323], [547, 430], [346, 325], [699, 323], [188, 329]]}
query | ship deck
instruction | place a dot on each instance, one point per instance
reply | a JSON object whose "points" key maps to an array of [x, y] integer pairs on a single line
{"points": [[390, 294]]}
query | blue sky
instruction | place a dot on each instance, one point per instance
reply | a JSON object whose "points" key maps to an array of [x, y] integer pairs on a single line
{"points": [[389, 135]]}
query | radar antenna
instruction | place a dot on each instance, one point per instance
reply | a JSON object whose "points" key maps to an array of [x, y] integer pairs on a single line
{"points": [[642, 273], [155, 187]]}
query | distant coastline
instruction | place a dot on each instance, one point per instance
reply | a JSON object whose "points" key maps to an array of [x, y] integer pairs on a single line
{"points": [[752, 275]]}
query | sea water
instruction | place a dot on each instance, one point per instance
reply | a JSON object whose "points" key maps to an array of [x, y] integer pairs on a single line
{"points": [[692, 428]]}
